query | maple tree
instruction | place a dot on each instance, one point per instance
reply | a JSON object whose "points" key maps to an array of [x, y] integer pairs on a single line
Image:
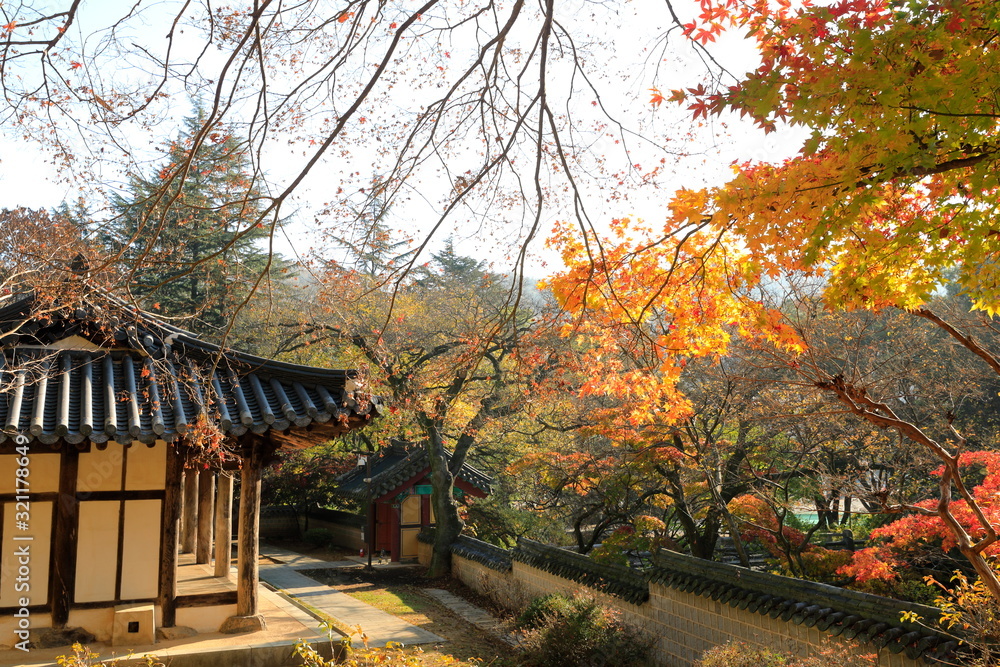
{"points": [[891, 195], [43, 254], [747, 431], [444, 366]]}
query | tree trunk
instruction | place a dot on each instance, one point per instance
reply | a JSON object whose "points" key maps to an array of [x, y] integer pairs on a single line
{"points": [[449, 524], [822, 512]]}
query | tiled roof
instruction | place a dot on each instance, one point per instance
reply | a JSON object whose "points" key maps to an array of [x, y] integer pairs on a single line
{"points": [[839, 611], [489, 555], [141, 379], [396, 465], [620, 582]]}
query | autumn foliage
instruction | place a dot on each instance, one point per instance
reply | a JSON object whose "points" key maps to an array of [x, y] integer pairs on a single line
{"points": [[892, 194], [897, 542]]}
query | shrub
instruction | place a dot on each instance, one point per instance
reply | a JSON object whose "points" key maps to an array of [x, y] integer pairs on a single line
{"points": [[393, 654], [970, 609], [740, 654], [82, 656], [317, 537], [586, 634], [539, 610]]}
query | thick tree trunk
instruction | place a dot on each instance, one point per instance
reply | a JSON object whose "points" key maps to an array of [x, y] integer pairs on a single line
{"points": [[449, 524]]}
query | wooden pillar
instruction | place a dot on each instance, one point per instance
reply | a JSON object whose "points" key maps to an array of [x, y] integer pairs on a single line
{"points": [[189, 527], [224, 524], [171, 518], [248, 618], [63, 552], [206, 516], [396, 550]]}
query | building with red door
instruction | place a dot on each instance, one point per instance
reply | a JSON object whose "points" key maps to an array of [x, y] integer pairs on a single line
{"points": [[400, 496]]}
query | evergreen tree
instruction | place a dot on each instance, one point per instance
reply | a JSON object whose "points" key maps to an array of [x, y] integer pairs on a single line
{"points": [[372, 250], [190, 235]]}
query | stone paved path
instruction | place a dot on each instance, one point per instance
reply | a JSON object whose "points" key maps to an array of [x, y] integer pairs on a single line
{"points": [[380, 626], [470, 612], [297, 561]]}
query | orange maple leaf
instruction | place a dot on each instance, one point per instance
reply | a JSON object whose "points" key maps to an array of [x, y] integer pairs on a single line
{"points": [[657, 98]]}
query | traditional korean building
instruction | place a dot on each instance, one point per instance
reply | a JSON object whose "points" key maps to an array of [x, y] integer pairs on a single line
{"points": [[112, 426], [400, 496]]}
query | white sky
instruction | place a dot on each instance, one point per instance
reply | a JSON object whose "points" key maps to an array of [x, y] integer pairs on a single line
{"points": [[28, 178]]}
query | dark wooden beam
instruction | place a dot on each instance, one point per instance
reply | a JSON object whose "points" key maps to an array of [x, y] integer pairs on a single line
{"points": [[64, 538], [248, 618], [206, 516], [224, 525], [248, 574], [207, 599], [189, 526], [171, 519]]}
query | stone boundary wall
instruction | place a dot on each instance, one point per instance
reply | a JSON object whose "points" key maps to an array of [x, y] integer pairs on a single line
{"points": [[691, 605], [346, 528], [277, 521]]}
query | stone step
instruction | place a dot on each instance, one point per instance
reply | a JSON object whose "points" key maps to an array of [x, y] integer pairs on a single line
{"points": [[471, 613]]}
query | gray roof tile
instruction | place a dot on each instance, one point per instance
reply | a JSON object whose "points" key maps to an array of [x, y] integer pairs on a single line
{"points": [[149, 380]]}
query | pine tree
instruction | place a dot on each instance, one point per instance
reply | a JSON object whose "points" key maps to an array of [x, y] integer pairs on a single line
{"points": [[189, 235]]}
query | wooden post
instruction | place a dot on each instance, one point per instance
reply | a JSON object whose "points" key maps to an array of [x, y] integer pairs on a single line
{"points": [[206, 516], [224, 524], [189, 527], [64, 539], [248, 618], [171, 518], [396, 548]]}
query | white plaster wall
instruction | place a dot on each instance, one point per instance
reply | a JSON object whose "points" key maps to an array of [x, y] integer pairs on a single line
{"points": [[146, 467], [8, 624], [98, 622], [205, 619], [43, 472], [97, 551], [100, 470], [40, 530], [141, 550]]}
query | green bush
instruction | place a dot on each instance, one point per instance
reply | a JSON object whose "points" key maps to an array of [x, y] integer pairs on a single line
{"points": [[554, 605], [584, 633], [317, 537]]}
